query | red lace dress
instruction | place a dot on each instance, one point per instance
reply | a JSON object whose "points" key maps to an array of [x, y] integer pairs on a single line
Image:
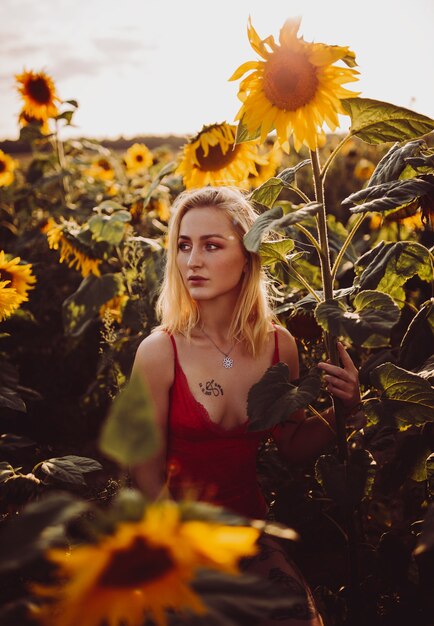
{"points": [[211, 463]]}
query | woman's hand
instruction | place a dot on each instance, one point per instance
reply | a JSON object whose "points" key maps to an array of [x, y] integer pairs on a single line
{"points": [[343, 382]]}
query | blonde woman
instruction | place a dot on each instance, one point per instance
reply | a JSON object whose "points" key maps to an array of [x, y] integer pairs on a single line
{"points": [[218, 336]]}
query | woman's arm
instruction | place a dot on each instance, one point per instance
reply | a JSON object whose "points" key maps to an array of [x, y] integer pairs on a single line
{"points": [[154, 361], [304, 438]]}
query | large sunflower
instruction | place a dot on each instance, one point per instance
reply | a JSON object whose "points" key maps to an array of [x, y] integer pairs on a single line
{"points": [[19, 274], [142, 570], [39, 95], [57, 237], [7, 167], [138, 158], [296, 89], [212, 158]]}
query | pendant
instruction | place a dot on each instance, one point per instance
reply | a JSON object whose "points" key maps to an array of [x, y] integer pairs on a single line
{"points": [[228, 362]]}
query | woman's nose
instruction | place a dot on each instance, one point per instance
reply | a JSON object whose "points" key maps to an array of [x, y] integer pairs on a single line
{"points": [[195, 258]]}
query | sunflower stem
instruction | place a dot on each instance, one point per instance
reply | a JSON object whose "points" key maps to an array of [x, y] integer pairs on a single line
{"points": [[303, 281], [333, 154], [300, 193], [345, 245], [309, 236], [331, 345]]}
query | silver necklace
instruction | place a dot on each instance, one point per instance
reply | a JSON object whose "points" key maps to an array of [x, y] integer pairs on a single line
{"points": [[227, 361]]}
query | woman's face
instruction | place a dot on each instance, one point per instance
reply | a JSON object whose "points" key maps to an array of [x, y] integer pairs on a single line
{"points": [[210, 256]]}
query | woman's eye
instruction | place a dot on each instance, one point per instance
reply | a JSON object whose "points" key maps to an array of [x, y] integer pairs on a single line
{"points": [[212, 246], [183, 246]]}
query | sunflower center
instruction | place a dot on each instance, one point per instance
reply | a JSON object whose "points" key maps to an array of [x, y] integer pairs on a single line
{"points": [[39, 90], [104, 165], [2, 166], [137, 564], [290, 80], [215, 159], [139, 158]]}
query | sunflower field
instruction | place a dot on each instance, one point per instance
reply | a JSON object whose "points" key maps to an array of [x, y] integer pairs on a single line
{"points": [[346, 235]]}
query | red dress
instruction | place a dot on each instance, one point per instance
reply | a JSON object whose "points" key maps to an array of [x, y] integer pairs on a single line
{"points": [[208, 462]]}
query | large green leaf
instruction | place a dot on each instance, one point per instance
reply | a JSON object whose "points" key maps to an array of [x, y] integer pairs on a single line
{"points": [[368, 323], [274, 398], [130, 434], [410, 397], [417, 344], [67, 469], [268, 192], [377, 122], [275, 220], [275, 251], [109, 228], [388, 266], [394, 162], [346, 484], [83, 306], [392, 196], [36, 528]]}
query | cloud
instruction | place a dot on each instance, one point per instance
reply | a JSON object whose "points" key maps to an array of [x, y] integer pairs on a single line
{"points": [[70, 67], [119, 46]]}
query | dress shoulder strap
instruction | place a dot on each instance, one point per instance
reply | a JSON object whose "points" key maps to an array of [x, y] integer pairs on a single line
{"points": [[276, 357]]}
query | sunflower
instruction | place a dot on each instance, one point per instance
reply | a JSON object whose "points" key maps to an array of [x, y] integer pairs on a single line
{"points": [[9, 300], [24, 119], [100, 169], [212, 158], [296, 89], [142, 570], [18, 274], [138, 158], [39, 95], [7, 167], [57, 237], [272, 159]]}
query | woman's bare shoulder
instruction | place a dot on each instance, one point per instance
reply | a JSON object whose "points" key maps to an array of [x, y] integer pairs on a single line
{"points": [[155, 354], [288, 351]]}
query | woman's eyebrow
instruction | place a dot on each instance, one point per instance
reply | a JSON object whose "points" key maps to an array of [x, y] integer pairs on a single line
{"points": [[202, 237]]}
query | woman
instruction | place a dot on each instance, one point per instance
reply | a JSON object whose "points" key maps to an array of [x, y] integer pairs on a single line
{"points": [[217, 338]]}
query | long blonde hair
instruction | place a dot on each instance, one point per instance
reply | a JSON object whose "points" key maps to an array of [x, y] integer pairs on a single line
{"points": [[176, 309]]}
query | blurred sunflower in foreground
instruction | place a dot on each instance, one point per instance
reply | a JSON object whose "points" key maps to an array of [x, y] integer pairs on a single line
{"points": [[211, 157], [138, 158], [143, 569], [296, 89], [39, 95], [16, 279], [70, 250], [7, 167]]}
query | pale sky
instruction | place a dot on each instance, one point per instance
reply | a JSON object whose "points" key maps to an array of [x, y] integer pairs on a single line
{"points": [[142, 67]]}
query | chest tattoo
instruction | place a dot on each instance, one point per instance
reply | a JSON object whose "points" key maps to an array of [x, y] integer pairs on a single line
{"points": [[211, 388]]}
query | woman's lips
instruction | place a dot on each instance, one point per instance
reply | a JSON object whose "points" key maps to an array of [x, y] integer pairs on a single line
{"points": [[196, 279]]}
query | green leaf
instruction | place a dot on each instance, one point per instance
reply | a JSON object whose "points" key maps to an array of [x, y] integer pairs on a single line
{"points": [[83, 306], [410, 397], [377, 122], [275, 251], [244, 135], [288, 175], [167, 169], [367, 324], [388, 266], [110, 206], [347, 484], [110, 229], [274, 220], [417, 344], [268, 192], [130, 435], [390, 197], [68, 469], [273, 399], [37, 528], [394, 162]]}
